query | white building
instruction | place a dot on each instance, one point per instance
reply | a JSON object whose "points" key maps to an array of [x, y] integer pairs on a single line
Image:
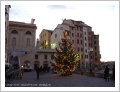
{"points": [[58, 31]]}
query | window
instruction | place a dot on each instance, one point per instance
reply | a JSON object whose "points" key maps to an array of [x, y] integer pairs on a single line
{"points": [[14, 41], [90, 57], [52, 56], [87, 56], [95, 59], [81, 49], [72, 28], [89, 32], [85, 44], [94, 37], [95, 48], [25, 52], [77, 41], [81, 41], [86, 50], [81, 28], [81, 35], [28, 42], [45, 34], [78, 49], [36, 56], [77, 34], [41, 36], [77, 28], [94, 42], [85, 38], [14, 32], [91, 44], [45, 56], [85, 33], [95, 53], [28, 33], [72, 34], [55, 35]]}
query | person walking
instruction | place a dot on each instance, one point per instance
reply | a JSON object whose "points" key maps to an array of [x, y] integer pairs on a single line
{"points": [[106, 73], [37, 71]]}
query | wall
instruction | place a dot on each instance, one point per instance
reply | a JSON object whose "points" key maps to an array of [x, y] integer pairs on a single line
{"points": [[86, 55], [6, 30], [21, 37], [31, 57], [54, 41], [45, 35]]}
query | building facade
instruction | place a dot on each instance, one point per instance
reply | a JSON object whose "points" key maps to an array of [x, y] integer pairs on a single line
{"points": [[44, 38], [83, 38], [7, 9], [40, 57], [21, 37], [55, 37]]}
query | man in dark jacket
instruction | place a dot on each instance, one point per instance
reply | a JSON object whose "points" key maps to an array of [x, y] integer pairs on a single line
{"points": [[106, 73], [37, 71]]}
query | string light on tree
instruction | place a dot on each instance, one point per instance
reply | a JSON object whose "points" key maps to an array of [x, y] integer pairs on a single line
{"points": [[65, 59]]}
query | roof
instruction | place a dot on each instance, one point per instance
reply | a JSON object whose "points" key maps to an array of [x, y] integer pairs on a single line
{"points": [[48, 30], [22, 24], [83, 23], [46, 50]]}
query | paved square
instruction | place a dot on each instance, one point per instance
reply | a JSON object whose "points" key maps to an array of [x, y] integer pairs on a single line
{"points": [[54, 80]]}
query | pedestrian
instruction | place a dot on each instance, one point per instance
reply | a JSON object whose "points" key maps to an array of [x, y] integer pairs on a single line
{"points": [[113, 71], [37, 71], [106, 73]]}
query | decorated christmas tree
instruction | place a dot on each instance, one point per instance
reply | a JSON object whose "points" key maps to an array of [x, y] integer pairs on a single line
{"points": [[65, 59]]}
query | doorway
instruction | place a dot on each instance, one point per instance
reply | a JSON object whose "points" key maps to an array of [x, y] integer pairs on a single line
{"points": [[35, 66]]}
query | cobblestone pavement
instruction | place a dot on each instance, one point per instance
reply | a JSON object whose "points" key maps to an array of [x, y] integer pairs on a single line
{"points": [[54, 80]]}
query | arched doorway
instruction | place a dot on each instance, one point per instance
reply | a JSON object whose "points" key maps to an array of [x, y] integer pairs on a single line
{"points": [[27, 66], [36, 63]]}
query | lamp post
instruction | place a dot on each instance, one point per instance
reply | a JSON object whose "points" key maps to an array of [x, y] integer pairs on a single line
{"points": [[90, 54]]}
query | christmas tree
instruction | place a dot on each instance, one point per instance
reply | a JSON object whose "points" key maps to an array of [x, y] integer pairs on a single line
{"points": [[65, 59]]}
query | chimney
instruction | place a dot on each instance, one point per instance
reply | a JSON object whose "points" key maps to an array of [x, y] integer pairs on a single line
{"points": [[32, 21]]}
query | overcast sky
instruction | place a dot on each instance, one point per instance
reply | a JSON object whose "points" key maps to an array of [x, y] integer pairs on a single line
{"points": [[100, 17]]}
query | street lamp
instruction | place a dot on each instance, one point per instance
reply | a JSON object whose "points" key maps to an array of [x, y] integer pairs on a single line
{"points": [[90, 54]]}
